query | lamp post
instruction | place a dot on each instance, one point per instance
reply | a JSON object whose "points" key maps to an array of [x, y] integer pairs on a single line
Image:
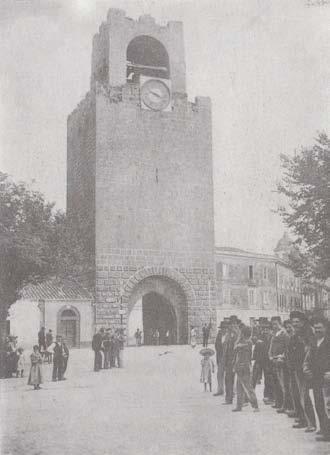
{"points": [[121, 311], [121, 307]]}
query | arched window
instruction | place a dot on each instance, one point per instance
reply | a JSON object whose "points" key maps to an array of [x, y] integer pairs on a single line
{"points": [[68, 313], [147, 56]]}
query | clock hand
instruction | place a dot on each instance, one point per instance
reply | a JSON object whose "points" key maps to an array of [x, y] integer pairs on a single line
{"points": [[156, 94]]}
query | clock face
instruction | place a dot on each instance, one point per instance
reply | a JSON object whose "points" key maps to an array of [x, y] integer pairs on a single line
{"points": [[155, 94]]}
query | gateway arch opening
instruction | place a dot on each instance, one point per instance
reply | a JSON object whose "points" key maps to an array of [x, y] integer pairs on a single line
{"points": [[159, 320], [158, 308]]}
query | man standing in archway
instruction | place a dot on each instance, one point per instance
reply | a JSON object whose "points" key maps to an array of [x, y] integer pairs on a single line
{"points": [[206, 333]]}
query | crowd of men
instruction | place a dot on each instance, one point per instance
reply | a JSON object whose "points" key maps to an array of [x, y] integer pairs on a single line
{"points": [[293, 358], [108, 347]]}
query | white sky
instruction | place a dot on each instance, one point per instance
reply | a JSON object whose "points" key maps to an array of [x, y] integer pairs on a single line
{"points": [[264, 63]]}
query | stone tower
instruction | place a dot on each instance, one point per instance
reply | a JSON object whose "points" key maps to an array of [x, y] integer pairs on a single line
{"points": [[140, 171]]}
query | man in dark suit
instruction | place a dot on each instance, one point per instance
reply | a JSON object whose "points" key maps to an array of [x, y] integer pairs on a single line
{"points": [[205, 332], [316, 366], [97, 346], [57, 359], [219, 357], [228, 358]]}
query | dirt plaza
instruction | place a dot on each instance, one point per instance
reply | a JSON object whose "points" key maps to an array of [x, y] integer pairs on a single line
{"points": [[155, 405]]}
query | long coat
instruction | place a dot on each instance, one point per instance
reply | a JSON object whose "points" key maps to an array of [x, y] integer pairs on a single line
{"points": [[35, 376], [218, 347]]}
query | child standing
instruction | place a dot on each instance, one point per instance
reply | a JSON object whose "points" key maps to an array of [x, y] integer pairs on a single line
{"points": [[35, 377], [20, 363], [207, 368]]}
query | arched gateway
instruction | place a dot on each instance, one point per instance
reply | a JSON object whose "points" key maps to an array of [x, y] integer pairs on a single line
{"points": [[165, 295]]}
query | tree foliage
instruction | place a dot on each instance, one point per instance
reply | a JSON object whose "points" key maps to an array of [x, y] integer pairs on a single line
{"points": [[38, 242], [306, 185]]}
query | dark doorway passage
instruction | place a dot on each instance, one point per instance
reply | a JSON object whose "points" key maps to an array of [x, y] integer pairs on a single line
{"points": [[159, 320]]}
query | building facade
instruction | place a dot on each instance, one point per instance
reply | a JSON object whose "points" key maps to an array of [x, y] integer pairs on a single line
{"points": [[253, 285], [64, 307], [140, 171]]}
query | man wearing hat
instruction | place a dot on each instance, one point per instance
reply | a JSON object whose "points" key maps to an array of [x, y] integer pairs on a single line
{"points": [[219, 356], [228, 358], [317, 370], [262, 363], [97, 346], [57, 359], [303, 340]]}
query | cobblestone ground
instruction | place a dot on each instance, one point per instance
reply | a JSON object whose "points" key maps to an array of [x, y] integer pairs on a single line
{"points": [[155, 405]]}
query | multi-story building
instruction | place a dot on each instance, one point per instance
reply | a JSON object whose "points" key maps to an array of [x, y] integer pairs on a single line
{"points": [[253, 285]]}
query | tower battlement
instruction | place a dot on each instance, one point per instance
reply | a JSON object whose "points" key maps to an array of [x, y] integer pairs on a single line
{"points": [[111, 53]]}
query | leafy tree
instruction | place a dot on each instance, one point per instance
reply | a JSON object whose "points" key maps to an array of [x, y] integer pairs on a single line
{"points": [[37, 243], [306, 184]]}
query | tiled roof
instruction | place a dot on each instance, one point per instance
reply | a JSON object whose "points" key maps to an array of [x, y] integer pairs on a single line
{"points": [[56, 290], [237, 252]]}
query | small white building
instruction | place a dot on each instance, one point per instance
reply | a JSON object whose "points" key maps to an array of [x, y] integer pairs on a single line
{"points": [[62, 306]]}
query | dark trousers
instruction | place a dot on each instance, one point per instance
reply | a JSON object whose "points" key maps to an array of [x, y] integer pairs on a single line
{"points": [[268, 382], [97, 360], [284, 383], [258, 370], [57, 369], [229, 385], [245, 389], [305, 401], [256, 373], [294, 391], [113, 357], [205, 341], [320, 409], [278, 395]]}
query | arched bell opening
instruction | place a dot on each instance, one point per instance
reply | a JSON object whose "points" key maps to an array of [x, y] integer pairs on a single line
{"points": [[146, 56]]}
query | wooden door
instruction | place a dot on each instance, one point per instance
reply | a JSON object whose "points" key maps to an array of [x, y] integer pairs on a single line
{"points": [[68, 331]]}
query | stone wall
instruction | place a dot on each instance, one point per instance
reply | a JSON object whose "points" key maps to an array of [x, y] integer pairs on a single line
{"points": [[154, 198]]}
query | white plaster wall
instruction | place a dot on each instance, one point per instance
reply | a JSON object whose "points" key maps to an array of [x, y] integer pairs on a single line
{"points": [[25, 318]]}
